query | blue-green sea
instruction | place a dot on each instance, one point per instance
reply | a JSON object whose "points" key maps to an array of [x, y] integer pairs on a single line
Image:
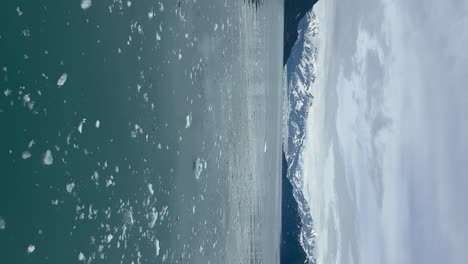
{"points": [[140, 131]]}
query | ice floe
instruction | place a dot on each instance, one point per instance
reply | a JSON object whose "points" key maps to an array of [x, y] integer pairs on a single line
{"points": [[157, 247], [81, 257], [48, 159], [80, 126], [188, 121], [26, 154], [109, 238], [63, 78], [150, 188], [2, 223], [85, 4], [31, 249], [70, 187], [199, 165]]}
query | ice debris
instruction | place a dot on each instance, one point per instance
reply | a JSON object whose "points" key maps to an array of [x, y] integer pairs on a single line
{"points": [[48, 159]]}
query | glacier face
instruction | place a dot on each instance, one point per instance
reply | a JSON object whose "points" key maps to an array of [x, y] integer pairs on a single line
{"points": [[301, 72]]}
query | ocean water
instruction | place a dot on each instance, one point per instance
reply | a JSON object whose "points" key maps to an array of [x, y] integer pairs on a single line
{"points": [[140, 131]]}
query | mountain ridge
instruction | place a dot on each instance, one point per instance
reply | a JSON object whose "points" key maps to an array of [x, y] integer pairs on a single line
{"points": [[301, 73]]}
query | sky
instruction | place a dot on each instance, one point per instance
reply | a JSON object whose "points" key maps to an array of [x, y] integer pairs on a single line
{"points": [[386, 155]]}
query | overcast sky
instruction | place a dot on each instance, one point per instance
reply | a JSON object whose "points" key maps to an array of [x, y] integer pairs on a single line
{"points": [[386, 161]]}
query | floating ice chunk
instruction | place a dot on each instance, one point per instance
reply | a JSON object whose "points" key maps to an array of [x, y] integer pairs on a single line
{"points": [[136, 131], [161, 7], [128, 217], [95, 177], [54, 202], [265, 147], [180, 56], [48, 159], [31, 143], [109, 238], [188, 120], [98, 123], [153, 219], [193, 209], [70, 187], [18, 10], [157, 247], [129, 4], [198, 167], [85, 4], [61, 81], [25, 33], [151, 14], [31, 249], [158, 37], [2, 224], [215, 27], [110, 181], [26, 154], [81, 257], [7, 92], [150, 188], [80, 126], [26, 98]]}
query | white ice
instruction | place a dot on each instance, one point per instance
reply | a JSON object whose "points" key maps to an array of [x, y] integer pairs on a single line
{"points": [[26, 155], [61, 81], [188, 121], [70, 187], [48, 159], [150, 188], [85, 4], [31, 249]]}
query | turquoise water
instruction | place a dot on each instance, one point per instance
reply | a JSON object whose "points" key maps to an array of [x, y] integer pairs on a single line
{"points": [[140, 132]]}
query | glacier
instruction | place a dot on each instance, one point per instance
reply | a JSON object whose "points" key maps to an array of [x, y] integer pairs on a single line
{"points": [[300, 74]]}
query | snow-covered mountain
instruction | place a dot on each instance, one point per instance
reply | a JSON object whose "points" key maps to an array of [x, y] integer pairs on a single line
{"points": [[300, 73]]}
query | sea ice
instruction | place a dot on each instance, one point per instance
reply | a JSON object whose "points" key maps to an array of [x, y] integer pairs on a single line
{"points": [[2, 224], [70, 187], [26, 155], [150, 188], [198, 167], [80, 126], [61, 81], [48, 159], [31, 249], [85, 4], [188, 120], [157, 247], [153, 219]]}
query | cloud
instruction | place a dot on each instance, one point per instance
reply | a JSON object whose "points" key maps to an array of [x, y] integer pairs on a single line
{"points": [[390, 119]]}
